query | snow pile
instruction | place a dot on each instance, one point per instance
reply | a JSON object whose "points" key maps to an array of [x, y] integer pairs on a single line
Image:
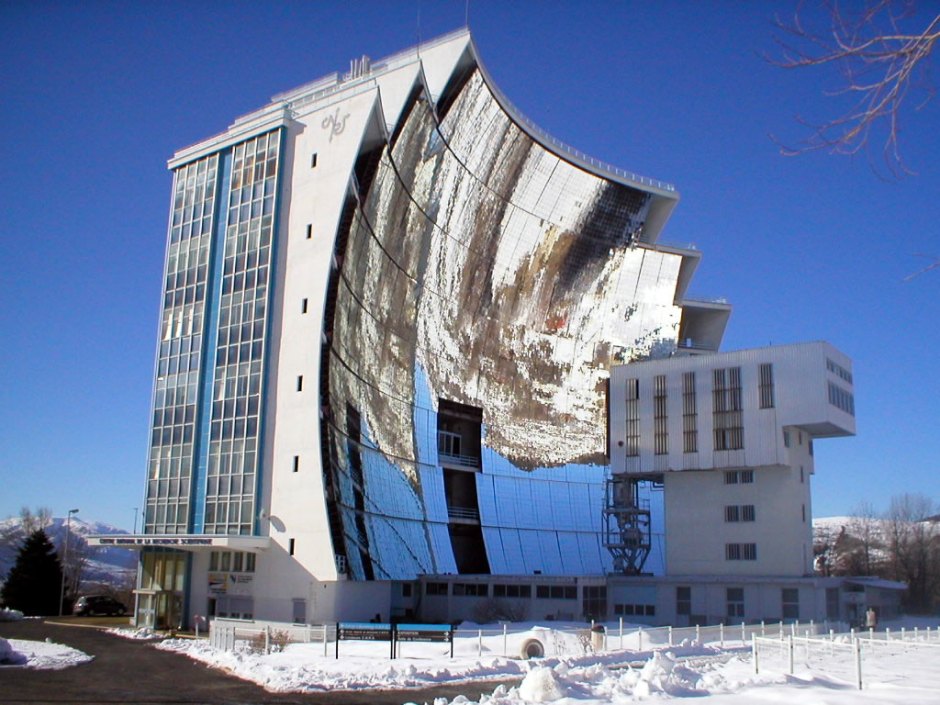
{"points": [[541, 685], [8, 615], [40, 654], [362, 665], [140, 634], [9, 657]]}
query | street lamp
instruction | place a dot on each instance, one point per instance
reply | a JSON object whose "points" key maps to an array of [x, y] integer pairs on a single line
{"points": [[65, 560]]}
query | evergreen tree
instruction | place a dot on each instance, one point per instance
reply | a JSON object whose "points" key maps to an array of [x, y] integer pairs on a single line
{"points": [[35, 579]]}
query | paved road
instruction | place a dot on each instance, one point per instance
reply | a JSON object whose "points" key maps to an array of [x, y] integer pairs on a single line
{"points": [[128, 671]]}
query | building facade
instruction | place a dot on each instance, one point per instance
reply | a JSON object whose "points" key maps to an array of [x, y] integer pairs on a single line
{"points": [[391, 308]]}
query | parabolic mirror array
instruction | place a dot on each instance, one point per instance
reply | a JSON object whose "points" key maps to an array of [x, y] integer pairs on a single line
{"points": [[480, 268]]}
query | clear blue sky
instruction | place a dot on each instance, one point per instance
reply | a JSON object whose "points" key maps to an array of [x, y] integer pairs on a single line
{"points": [[95, 96]]}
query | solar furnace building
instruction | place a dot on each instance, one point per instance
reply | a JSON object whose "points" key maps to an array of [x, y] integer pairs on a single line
{"points": [[390, 309]]}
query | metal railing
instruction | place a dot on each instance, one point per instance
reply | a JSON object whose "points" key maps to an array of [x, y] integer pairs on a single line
{"points": [[469, 513], [467, 461]]}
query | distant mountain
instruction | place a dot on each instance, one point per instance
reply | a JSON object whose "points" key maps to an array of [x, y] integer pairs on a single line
{"points": [[112, 566]]}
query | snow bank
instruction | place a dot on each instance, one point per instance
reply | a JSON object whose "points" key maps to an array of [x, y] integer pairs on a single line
{"points": [[43, 655], [8, 615]]}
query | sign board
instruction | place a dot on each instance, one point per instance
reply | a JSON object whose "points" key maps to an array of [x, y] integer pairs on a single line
{"points": [[394, 633], [153, 541], [425, 632], [364, 631]]}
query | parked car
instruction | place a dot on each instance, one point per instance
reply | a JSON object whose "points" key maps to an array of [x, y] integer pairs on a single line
{"points": [[98, 604]]}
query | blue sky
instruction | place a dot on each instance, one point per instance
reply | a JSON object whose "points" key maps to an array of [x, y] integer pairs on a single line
{"points": [[96, 96]]}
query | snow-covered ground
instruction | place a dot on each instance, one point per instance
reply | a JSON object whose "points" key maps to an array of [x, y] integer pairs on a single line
{"points": [[721, 676], [690, 670]]}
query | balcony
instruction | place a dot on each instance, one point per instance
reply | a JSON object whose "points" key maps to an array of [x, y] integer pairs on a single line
{"points": [[464, 515], [449, 446]]}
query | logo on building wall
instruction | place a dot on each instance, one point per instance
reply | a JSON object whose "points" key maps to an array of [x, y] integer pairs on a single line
{"points": [[335, 124]]}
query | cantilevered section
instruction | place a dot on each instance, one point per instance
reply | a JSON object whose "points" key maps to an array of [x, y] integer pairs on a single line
{"points": [[729, 437]]}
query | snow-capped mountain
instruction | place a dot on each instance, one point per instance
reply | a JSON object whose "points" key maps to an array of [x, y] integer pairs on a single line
{"points": [[107, 565]]}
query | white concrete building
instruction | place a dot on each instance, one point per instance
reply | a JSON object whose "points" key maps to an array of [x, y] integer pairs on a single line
{"points": [[729, 436]]}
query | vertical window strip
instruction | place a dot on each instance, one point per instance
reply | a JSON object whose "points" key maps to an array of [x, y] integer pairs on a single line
{"points": [[766, 386], [170, 466], [661, 432], [727, 410], [633, 417], [689, 414], [246, 275]]}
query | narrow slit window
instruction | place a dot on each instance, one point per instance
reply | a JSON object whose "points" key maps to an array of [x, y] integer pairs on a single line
{"points": [[300, 383], [303, 306], [313, 160]]}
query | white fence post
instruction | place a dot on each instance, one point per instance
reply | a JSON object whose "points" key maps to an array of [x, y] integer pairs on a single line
{"points": [[698, 634], [762, 633], [858, 662], [480, 642], [670, 635], [505, 641], [267, 638], [721, 635], [743, 633], [621, 633], [755, 654], [790, 654], [640, 636]]}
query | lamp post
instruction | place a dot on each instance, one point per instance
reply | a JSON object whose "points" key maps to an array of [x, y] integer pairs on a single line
{"points": [[135, 521], [65, 560]]}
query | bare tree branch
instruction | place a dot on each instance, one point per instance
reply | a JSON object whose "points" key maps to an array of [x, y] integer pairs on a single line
{"points": [[881, 61]]}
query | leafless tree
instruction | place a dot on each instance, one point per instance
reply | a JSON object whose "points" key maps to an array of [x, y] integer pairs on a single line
{"points": [[881, 51], [866, 527], [33, 522], [913, 546]]}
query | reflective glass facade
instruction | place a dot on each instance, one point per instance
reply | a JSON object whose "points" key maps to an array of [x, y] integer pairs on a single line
{"points": [[179, 356], [482, 272]]}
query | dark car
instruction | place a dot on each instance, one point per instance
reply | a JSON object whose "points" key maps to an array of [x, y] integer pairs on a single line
{"points": [[98, 604]]}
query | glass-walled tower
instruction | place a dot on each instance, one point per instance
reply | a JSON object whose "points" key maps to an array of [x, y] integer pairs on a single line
{"points": [[203, 471]]}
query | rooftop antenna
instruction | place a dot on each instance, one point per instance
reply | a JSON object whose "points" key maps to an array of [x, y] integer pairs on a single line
{"points": [[419, 28]]}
